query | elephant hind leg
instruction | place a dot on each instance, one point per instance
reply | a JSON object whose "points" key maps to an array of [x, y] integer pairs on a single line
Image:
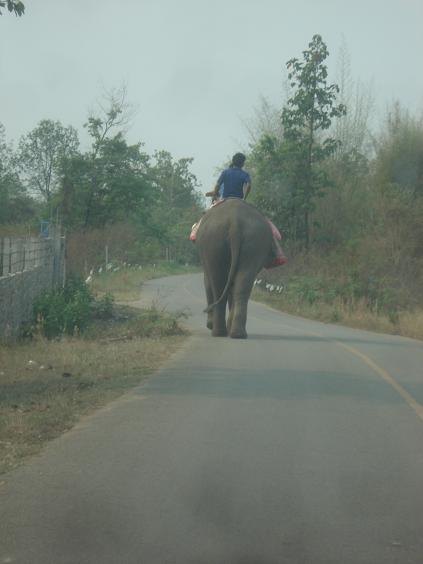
{"points": [[210, 300], [241, 293], [239, 319], [215, 283], [219, 324], [238, 334]]}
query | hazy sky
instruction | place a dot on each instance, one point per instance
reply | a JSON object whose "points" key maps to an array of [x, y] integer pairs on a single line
{"points": [[195, 68]]}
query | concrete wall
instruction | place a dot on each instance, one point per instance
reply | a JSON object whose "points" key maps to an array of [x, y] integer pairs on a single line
{"points": [[18, 290]]}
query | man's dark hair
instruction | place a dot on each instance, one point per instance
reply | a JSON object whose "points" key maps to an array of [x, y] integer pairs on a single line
{"points": [[238, 160]]}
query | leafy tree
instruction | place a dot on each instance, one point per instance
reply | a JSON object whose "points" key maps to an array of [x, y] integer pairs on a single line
{"points": [[106, 189], [112, 116], [15, 205], [15, 6], [274, 193], [174, 181], [40, 156], [176, 205], [118, 183], [308, 113], [108, 183]]}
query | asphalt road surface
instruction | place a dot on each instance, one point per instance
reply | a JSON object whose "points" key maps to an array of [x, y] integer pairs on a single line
{"points": [[302, 444]]}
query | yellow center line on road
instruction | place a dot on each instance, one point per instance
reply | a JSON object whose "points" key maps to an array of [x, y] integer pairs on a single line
{"points": [[381, 372], [384, 374]]}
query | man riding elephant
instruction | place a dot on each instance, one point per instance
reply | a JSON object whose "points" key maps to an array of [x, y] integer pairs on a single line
{"points": [[235, 242], [234, 182]]}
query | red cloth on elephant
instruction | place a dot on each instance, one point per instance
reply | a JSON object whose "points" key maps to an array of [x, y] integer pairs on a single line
{"points": [[279, 257], [275, 231], [194, 231]]}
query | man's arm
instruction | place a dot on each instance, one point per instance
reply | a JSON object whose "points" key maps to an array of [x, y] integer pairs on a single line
{"points": [[213, 193]]}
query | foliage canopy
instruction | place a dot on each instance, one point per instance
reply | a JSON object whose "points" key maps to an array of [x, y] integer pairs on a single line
{"points": [[15, 6]]}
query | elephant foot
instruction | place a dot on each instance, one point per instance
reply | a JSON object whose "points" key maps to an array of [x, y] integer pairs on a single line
{"points": [[209, 325], [221, 333], [238, 334]]}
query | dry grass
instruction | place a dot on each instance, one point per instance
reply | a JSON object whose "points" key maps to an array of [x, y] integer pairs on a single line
{"points": [[46, 386], [406, 324], [410, 324]]}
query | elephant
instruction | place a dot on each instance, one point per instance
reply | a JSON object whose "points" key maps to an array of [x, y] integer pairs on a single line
{"points": [[235, 242]]}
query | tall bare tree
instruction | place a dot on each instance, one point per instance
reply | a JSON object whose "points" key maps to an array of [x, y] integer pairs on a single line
{"points": [[353, 128]]}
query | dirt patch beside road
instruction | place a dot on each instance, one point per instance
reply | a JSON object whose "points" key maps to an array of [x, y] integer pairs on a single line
{"points": [[47, 386]]}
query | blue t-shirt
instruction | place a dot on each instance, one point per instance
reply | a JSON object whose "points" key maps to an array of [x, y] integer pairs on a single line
{"points": [[231, 182]]}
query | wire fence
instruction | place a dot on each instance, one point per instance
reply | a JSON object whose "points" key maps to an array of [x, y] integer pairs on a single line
{"points": [[28, 266], [18, 255]]}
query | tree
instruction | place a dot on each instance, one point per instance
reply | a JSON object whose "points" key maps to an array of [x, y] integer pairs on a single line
{"points": [[399, 152], [274, 190], [306, 116], [40, 155], [15, 6], [176, 204], [15, 205], [113, 114], [106, 189], [109, 182], [174, 181], [341, 216], [265, 121], [352, 128]]}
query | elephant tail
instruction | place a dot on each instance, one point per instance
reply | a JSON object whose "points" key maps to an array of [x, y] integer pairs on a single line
{"points": [[235, 250]]}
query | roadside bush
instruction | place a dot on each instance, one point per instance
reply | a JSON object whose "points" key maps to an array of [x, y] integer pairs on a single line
{"points": [[102, 308], [64, 311]]}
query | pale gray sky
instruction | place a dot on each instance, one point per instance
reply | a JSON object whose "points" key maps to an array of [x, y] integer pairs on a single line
{"points": [[195, 68]]}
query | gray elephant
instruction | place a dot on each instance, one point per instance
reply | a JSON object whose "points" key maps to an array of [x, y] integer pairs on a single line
{"points": [[235, 242]]}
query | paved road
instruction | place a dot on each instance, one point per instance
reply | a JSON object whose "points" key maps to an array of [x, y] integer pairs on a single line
{"points": [[303, 444]]}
